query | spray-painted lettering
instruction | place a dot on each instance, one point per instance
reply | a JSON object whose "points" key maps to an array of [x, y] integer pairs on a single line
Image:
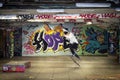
{"points": [[40, 42], [51, 41], [57, 40]]}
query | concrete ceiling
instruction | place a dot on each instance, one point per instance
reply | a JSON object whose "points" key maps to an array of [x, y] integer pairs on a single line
{"points": [[30, 7], [33, 4], [66, 11]]}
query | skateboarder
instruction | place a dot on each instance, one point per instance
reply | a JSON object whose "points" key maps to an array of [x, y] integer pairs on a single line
{"points": [[70, 42]]}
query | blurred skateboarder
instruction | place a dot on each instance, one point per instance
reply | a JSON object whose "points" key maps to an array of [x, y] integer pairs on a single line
{"points": [[70, 42]]}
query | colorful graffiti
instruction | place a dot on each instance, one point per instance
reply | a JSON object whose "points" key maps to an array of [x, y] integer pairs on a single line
{"points": [[48, 41], [96, 41], [92, 39], [44, 39]]}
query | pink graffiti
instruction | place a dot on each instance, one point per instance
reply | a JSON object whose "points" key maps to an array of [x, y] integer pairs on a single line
{"points": [[29, 48]]}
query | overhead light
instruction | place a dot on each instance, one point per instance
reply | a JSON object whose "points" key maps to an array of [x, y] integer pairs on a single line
{"points": [[1, 4], [117, 9], [50, 10], [36, 20], [8, 17], [40, 20], [88, 23], [93, 4], [87, 10]]}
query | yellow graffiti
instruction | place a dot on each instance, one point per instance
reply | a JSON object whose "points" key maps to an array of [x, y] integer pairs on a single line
{"points": [[47, 29], [59, 29]]}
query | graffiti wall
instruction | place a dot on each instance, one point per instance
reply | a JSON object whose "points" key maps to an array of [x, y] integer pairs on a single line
{"points": [[18, 42], [113, 31], [43, 39], [46, 39], [93, 39]]}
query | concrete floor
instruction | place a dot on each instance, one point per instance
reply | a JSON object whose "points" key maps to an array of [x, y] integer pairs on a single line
{"points": [[64, 68]]}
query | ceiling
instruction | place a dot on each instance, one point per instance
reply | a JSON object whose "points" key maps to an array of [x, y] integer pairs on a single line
{"points": [[30, 6], [67, 11], [33, 4]]}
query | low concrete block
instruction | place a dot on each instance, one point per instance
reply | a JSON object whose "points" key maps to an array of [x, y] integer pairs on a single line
{"points": [[18, 66]]}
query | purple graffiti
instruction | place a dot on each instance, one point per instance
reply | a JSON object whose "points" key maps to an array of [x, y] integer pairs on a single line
{"points": [[53, 40], [57, 40], [49, 40]]}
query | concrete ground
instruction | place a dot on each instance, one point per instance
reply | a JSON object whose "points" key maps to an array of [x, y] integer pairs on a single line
{"points": [[64, 68]]}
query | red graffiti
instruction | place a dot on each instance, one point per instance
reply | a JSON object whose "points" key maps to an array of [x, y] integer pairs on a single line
{"points": [[44, 16], [79, 16], [104, 15], [89, 16], [109, 15]]}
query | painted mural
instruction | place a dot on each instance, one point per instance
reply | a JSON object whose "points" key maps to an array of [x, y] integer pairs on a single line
{"points": [[43, 39], [92, 38], [47, 39]]}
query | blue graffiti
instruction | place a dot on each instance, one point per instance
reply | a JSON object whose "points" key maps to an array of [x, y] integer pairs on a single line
{"points": [[92, 39], [92, 35], [92, 46]]}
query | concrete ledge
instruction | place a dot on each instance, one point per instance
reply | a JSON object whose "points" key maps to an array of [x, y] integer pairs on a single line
{"points": [[16, 66]]}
